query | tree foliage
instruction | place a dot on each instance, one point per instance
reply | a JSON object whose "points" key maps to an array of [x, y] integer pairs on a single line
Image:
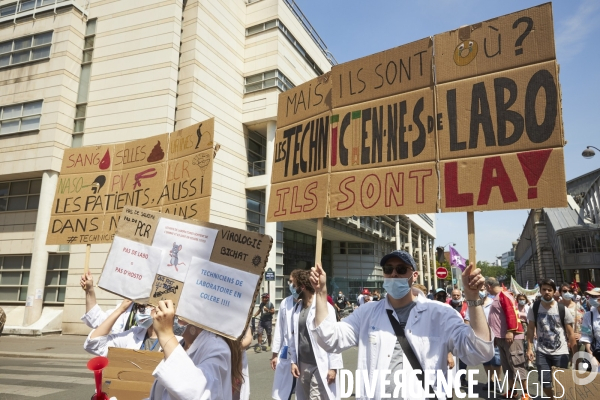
{"points": [[489, 270]]}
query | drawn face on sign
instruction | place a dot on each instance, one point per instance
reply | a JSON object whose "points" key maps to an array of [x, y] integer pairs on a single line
{"points": [[465, 52]]}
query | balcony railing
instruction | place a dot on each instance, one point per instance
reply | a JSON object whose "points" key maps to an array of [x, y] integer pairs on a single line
{"points": [[257, 168]]}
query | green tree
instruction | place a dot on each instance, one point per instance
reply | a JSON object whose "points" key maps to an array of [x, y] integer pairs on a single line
{"points": [[489, 270], [510, 271]]}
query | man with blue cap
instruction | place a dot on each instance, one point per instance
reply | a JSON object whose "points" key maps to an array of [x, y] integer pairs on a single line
{"points": [[404, 332]]}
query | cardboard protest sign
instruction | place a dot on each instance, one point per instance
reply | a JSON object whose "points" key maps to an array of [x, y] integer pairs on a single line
{"points": [[97, 182], [503, 112], [398, 70], [302, 149], [208, 270], [129, 373], [304, 101], [405, 189], [299, 199], [575, 385], [510, 41], [390, 131], [474, 125], [530, 179]]}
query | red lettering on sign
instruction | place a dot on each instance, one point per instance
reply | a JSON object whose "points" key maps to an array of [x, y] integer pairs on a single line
{"points": [[370, 191], [394, 188], [281, 195], [420, 175], [533, 164], [493, 166], [453, 197], [295, 208], [346, 191], [312, 197]]}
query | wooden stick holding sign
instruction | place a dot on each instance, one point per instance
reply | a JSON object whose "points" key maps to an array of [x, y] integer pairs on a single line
{"points": [[471, 235], [319, 247], [86, 266]]}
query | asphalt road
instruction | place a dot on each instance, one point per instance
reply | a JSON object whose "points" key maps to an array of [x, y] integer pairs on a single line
{"points": [[64, 379], [50, 379]]}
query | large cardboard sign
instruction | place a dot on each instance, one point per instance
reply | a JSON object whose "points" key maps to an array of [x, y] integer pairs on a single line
{"points": [[169, 172], [304, 101], [510, 41], [469, 120], [207, 270]]}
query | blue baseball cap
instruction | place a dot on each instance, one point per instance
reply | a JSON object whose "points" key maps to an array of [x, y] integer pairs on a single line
{"points": [[401, 254]]}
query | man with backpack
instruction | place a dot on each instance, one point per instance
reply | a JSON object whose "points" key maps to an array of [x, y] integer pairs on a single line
{"points": [[554, 327], [266, 311]]}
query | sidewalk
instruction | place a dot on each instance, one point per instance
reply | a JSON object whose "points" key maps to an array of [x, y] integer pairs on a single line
{"points": [[54, 346]]}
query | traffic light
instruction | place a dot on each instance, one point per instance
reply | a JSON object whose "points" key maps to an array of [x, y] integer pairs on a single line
{"points": [[440, 254]]}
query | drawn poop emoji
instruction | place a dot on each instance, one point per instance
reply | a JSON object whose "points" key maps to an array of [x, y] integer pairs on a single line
{"points": [[465, 52], [156, 154]]}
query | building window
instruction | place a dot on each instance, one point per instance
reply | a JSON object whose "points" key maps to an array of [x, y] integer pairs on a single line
{"points": [[26, 5], [20, 195], [266, 80], [84, 83], [257, 153], [22, 117], [427, 219], [14, 277], [255, 210], [25, 49], [56, 278], [255, 29], [356, 248]]}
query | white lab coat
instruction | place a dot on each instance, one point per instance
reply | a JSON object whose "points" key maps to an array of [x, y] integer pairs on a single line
{"points": [[325, 360], [283, 380], [96, 316], [130, 339], [245, 389], [432, 330], [203, 373]]}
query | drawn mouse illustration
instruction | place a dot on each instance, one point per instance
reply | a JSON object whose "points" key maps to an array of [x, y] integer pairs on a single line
{"points": [[174, 253]]}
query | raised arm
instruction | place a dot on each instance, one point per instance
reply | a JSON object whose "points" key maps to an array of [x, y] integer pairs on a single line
{"points": [[318, 279], [87, 284], [473, 282], [106, 326]]}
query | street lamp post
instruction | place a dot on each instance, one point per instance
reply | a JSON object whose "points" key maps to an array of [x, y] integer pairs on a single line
{"points": [[589, 152]]}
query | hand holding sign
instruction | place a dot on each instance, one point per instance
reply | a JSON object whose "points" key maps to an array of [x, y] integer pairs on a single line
{"points": [[318, 278], [164, 315], [472, 281], [87, 282]]}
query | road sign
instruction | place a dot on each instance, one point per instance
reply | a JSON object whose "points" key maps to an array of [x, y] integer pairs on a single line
{"points": [[269, 275], [441, 273]]}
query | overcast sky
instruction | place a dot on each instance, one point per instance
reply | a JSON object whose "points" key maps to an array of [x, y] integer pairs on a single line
{"points": [[353, 29]]}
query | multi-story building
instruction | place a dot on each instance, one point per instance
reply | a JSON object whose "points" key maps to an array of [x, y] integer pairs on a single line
{"points": [[506, 258], [88, 72]]}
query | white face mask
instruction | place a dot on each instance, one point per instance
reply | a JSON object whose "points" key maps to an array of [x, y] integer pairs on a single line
{"points": [[567, 296], [396, 287]]}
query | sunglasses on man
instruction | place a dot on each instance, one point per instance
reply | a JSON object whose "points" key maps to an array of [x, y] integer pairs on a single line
{"points": [[400, 269], [567, 291]]}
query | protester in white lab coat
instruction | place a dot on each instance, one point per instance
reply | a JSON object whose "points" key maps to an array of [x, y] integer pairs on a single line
{"points": [[315, 369], [425, 328], [281, 363], [94, 315], [204, 371], [245, 388], [140, 337]]}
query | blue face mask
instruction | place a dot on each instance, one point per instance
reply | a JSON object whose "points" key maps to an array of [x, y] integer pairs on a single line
{"points": [[396, 287], [491, 296], [177, 327], [482, 294], [143, 320], [522, 302], [567, 296], [594, 302], [547, 301]]}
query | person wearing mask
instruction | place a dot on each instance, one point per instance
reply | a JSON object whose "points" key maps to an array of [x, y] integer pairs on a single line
{"points": [[281, 363], [456, 302], [314, 368], [554, 327], [376, 296], [360, 300], [94, 315], [523, 309], [266, 309], [207, 367], [340, 304], [590, 329], [405, 331], [568, 296]]}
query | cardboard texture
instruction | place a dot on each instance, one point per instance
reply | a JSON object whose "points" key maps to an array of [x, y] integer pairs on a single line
{"points": [[302, 149], [531, 179], [304, 101], [98, 181], [395, 130], [566, 387], [504, 112], [409, 189], [510, 41], [299, 199], [394, 71], [223, 267], [129, 373]]}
